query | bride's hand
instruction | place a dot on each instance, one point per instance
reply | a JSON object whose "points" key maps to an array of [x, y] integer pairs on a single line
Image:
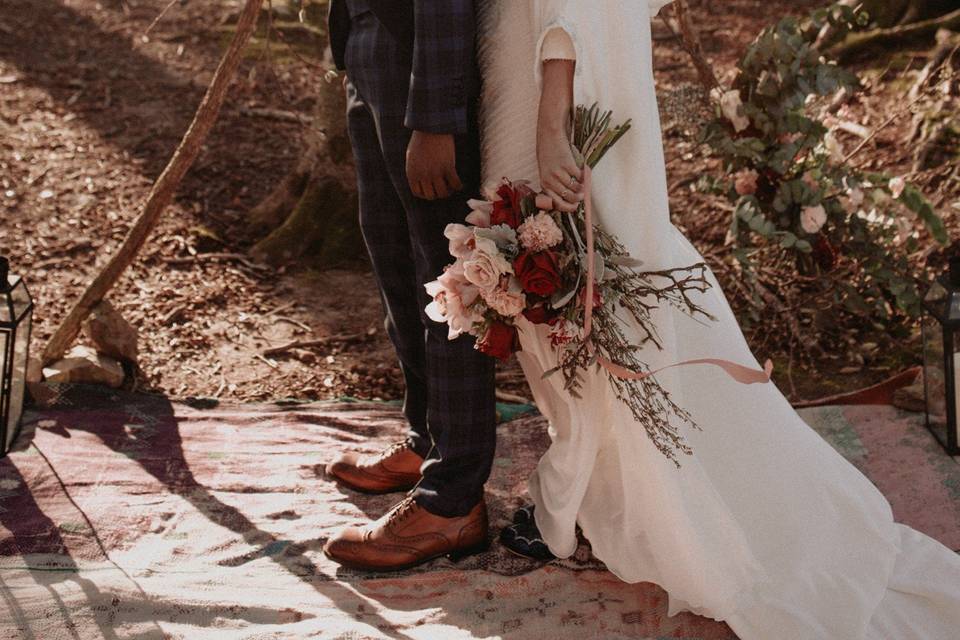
{"points": [[560, 177]]}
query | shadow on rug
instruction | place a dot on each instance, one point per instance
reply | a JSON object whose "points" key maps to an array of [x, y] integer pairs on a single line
{"points": [[130, 516]]}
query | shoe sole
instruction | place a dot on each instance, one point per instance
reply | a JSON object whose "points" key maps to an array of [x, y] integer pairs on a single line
{"points": [[526, 557], [455, 555]]}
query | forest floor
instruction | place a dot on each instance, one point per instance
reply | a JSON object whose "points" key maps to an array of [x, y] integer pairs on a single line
{"points": [[92, 103]]}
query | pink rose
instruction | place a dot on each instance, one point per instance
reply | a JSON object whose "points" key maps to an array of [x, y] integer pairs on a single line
{"points": [[812, 219], [539, 232], [745, 182], [484, 269]]}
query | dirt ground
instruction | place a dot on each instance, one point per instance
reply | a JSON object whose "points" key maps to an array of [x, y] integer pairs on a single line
{"points": [[91, 107]]}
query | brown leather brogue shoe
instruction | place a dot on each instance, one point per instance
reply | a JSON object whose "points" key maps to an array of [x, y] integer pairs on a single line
{"points": [[395, 469], [409, 535]]}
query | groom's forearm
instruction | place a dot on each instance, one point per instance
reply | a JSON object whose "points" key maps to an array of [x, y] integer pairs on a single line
{"points": [[444, 32], [556, 98]]}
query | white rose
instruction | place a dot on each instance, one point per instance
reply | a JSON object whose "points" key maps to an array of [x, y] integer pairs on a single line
{"points": [[896, 186], [812, 219], [732, 106], [856, 197], [833, 147]]}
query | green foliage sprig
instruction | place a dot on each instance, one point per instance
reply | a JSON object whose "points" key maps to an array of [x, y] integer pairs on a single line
{"points": [[791, 183]]}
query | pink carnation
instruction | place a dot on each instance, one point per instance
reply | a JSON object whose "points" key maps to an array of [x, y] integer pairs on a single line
{"points": [[539, 232], [509, 302]]}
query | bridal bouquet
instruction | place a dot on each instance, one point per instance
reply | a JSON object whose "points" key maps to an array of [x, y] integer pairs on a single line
{"points": [[518, 256]]}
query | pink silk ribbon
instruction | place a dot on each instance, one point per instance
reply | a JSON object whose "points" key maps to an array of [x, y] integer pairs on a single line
{"points": [[739, 372]]}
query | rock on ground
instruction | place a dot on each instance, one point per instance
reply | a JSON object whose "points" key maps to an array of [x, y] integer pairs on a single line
{"points": [[84, 365], [110, 333]]}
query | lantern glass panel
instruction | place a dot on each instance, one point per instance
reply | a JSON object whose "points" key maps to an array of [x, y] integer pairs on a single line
{"points": [[934, 376], [19, 296], [5, 336], [18, 380]]}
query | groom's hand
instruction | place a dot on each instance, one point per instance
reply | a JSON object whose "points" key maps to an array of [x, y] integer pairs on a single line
{"points": [[432, 165]]}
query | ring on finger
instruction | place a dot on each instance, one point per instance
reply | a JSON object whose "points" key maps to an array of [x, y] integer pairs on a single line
{"points": [[565, 194]]}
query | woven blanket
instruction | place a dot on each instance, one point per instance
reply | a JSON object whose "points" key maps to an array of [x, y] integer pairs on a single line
{"points": [[129, 516]]}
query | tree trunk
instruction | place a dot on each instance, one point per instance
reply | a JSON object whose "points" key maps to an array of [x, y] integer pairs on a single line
{"points": [[311, 216]]}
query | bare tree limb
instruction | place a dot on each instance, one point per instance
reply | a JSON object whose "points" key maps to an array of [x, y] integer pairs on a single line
{"points": [[690, 41], [857, 42], [163, 189]]}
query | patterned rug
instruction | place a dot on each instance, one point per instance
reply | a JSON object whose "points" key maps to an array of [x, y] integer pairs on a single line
{"points": [[128, 516]]}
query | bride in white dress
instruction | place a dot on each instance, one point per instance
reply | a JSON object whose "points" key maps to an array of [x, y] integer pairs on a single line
{"points": [[765, 526]]}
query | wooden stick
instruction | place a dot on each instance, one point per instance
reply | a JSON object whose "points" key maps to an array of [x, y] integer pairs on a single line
{"points": [[690, 41], [858, 41], [304, 344], [163, 189]]}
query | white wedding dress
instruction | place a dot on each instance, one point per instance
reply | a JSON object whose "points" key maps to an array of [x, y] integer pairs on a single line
{"points": [[765, 526]]}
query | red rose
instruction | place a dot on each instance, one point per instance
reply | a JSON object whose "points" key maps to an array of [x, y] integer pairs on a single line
{"points": [[507, 209], [541, 314], [539, 273], [500, 341]]}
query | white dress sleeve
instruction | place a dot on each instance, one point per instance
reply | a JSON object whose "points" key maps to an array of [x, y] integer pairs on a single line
{"points": [[556, 35], [557, 45], [555, 23]]}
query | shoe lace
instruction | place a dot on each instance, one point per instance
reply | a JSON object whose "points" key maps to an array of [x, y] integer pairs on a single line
{"points": [[393, 449], [402, 509]]}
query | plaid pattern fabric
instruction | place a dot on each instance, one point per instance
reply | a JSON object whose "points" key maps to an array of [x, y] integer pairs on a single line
{"points": [[450, 385], [443, 77]]}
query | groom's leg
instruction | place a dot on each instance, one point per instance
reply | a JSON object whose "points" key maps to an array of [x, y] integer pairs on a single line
{"points": [[458, 381], [461, 412], [383, 222]]}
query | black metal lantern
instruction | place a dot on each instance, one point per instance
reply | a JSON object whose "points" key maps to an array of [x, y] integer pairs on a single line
{"points": [[941, 357], [16, 315]]}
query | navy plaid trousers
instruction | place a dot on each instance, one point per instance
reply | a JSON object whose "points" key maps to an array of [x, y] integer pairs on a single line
{"points": [[449, 399]]}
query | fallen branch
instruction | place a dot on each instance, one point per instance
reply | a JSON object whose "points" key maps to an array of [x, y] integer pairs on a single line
{"points": [[305, 344], [163, 189], [237, 257], [276, 114], [857, 42]]}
